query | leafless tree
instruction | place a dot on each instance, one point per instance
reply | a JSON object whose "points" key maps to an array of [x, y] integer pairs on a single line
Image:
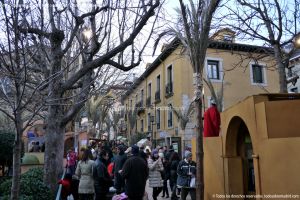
{"points": [[272, 21], [74, 43], [193, 30], [216, 95], [132, 117], [183, 115], [21, 88]]}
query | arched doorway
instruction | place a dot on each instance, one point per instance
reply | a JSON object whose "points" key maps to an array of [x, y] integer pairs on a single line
{"points": [[245, 151], [239, 150]]}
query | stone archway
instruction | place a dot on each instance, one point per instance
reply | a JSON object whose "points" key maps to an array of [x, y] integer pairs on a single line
{"points": [[239, 151]]}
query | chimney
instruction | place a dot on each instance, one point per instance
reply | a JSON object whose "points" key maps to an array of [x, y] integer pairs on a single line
{"points": [[224, 35], [163, 47], [147, 65]]}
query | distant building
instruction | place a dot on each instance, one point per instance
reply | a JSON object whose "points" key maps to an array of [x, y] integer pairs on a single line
{"points": [[293, 73], [169, 80]]}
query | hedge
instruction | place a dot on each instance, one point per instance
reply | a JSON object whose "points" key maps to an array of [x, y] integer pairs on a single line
{"points": [[32, 186]]}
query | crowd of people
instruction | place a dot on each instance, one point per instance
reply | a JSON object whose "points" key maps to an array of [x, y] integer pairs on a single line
{"points": [[104, 170]]}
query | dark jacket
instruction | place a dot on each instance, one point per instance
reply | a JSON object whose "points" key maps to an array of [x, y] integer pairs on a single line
{"points": [[135, 171], [169, 154], [102, 180], [119, 162], [173, 170], [119, 181], [167, 170], [183, 169]]}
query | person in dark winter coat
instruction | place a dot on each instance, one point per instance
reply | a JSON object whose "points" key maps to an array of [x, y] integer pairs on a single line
{"points": [[174, 161], [135, 172], [165, 175], [119, 161], [169, 153], [102, 180], [186, 171]]}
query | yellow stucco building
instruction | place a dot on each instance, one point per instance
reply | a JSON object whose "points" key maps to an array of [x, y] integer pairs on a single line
{"points": [[168, 80], [257, 154]]}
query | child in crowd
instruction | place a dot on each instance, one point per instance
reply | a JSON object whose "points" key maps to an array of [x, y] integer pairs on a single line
{"points": [[66, 186]]}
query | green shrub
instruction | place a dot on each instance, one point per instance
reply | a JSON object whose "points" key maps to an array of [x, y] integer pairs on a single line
{"points": [[32, 186]]}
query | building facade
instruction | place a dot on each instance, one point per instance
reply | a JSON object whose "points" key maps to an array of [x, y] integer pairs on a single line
{"points": [[293, 73], [249, 160], [237, 68]]}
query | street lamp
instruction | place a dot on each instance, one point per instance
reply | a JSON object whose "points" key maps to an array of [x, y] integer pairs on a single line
{"points": [[152, 120], [76, 133], [87, 34], [296, 41]]}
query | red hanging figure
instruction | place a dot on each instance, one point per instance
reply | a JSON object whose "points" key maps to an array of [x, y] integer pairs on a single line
{"points": [[212, 120]]}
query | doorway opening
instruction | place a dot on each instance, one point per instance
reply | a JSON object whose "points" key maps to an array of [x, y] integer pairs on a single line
{"points": [[239, 150]]}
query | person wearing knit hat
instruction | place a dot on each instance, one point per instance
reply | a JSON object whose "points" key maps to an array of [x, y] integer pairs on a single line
{"points": [[135, 150], [186, 176], [188, 154]]}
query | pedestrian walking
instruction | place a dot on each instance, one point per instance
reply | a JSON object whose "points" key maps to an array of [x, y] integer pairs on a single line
{"points": [[170, 152], [135, 172], [166, 175], [186, 179], [102, 180], [71, 161], [119, 161], [155, 179], [174, 161], [84, 172]]}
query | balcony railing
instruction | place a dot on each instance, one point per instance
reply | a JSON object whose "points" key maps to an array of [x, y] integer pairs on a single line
{"points": [[158, 126], [157, 96], [169, 89], [140, 107], [170, 123]]}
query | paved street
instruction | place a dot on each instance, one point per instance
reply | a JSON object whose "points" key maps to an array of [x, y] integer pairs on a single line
{"points": [[149, 191]]}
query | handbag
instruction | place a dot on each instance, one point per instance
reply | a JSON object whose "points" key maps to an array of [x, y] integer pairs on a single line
{"points": [[193, 182]]}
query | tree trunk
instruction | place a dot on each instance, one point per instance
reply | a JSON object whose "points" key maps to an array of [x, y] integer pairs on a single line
{"points": [[199, 139], [54, 141], [15, 189], [281, 69]]}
